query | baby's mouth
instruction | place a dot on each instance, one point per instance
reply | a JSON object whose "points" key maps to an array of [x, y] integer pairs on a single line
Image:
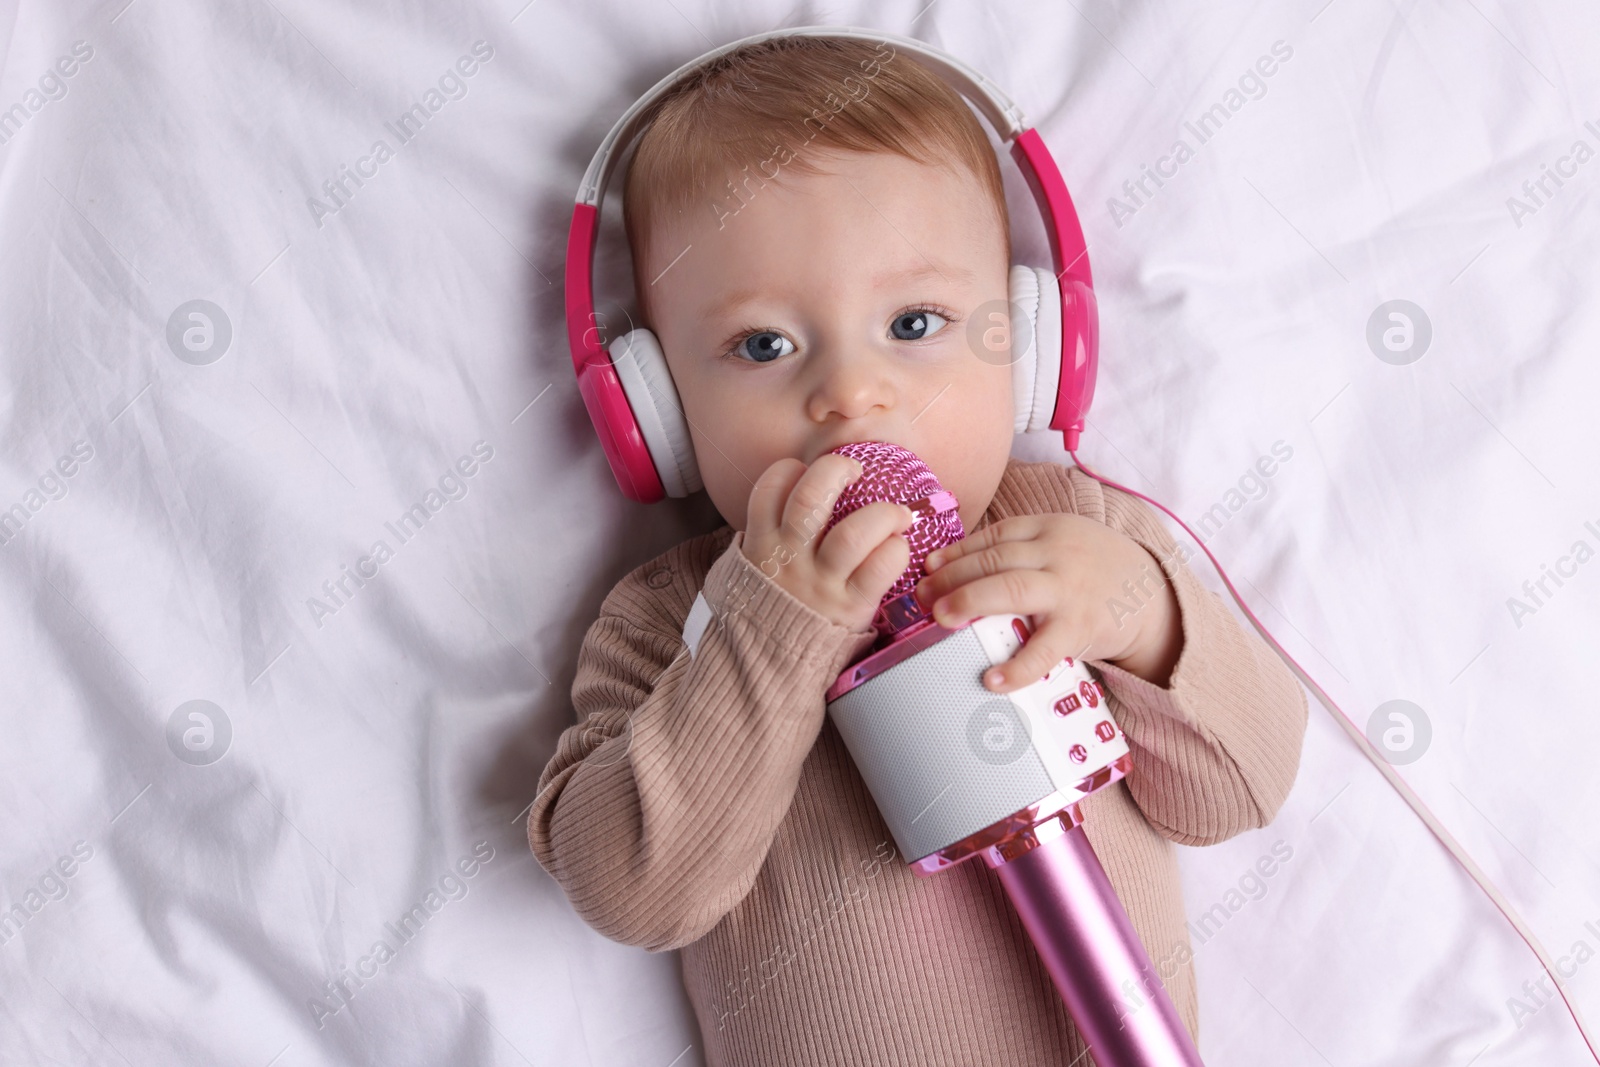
{"points": [[855, 439]]}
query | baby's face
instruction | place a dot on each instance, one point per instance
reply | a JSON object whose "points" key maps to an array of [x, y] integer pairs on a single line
{"points": [[844, 306]]}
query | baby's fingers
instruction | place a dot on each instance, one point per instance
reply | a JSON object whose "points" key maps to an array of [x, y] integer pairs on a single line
{"points": [[814, 495], [764, 511], [879, 570], [1017, 592], [1043, 650], [954, 572], [853, 537]]}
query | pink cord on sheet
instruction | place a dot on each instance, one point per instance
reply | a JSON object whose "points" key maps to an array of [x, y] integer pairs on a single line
{"points": [[1384, 766]]}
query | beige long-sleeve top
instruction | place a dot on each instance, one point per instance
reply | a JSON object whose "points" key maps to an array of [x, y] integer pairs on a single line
{"points": [[704, 802]]}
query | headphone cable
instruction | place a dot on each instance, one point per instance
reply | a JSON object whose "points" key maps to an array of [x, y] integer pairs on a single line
{"points": [[1384, 766]]}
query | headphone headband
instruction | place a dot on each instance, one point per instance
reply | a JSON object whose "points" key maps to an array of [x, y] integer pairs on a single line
{"points": [[997, 107]]}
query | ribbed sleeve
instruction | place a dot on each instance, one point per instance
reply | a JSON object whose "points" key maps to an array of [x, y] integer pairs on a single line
{"points": [[655, 814], [705, 801]]}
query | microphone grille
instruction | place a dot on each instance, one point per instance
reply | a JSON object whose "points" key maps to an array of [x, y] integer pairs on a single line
{"points": [[890, 472]]}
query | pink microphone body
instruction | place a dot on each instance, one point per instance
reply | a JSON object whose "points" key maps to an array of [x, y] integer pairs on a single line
{"points": [[959, 771]]}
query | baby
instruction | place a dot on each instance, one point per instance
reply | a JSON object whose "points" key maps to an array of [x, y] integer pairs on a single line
{"points": [[819, 232]]}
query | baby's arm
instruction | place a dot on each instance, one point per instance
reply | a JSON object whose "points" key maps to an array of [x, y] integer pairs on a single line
{"points": [[1215, 721], [658, 807], [657, 810], [1215, 750]]}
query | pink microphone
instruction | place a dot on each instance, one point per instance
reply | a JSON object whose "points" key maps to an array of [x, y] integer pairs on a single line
{"points": [[959, 771]]}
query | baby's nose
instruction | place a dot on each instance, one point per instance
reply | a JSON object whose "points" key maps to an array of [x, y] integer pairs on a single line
{"points": [[851, 388]]}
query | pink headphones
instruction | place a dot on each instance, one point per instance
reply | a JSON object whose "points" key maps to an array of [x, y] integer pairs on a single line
{"points": [[628, 389]]}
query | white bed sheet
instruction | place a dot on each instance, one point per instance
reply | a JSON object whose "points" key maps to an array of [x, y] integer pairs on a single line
{"points": [[377, 744]]}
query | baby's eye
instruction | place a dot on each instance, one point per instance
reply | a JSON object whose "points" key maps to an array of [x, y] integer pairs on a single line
{"points": [[917, 323], [763, 346]]}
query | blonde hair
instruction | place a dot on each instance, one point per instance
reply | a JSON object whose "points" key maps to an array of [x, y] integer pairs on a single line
{"points": [[735, 123]]}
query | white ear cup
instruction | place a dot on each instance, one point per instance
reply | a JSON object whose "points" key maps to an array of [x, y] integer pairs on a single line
{"points": [[1035, 346], [642, 369]]}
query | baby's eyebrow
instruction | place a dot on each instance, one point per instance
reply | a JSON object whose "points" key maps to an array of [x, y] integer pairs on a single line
{"points": [[728, 303], [926, 272]]}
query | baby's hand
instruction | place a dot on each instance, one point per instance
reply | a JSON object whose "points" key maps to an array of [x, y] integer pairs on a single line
{"points": [[1068, 572], [844, 574]]}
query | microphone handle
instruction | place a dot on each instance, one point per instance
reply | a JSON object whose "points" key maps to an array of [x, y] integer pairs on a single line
{"points": [[1089, 946]]}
